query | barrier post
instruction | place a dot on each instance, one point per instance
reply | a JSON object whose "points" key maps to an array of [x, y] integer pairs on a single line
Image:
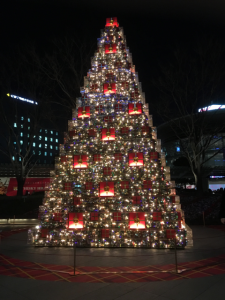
{"points": [[74, 258], [203, 216], [175, 252]]}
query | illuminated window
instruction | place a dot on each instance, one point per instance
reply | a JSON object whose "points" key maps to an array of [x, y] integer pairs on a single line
{"points": [[46, 138], [39, 153], [39, 145], [15, 125], [56, 140], [51, 147], [33, 152], [28, 127], [21, 125], [34, 144], [46, 131], [56, 133], [56, 147], [28, 135], [21, 142], [45, 153], [13, 158], [50, 153], [28, 119], [19, 158], [14, 143], [21, 134], [40, 130], [46, 146], [40, 137], [178, 149], [22, 118], [51, 139], [51, 132]]}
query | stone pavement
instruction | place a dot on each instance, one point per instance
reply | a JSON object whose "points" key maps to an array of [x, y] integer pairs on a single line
{"points": [[203, 278]]}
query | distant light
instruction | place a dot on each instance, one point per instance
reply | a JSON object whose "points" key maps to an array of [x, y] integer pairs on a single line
{"points": [[211, 107], [216, 176], [178, 149], [22, 99]]}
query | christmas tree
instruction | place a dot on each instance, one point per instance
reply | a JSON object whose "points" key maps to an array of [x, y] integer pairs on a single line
{"points": [[111, 186]]}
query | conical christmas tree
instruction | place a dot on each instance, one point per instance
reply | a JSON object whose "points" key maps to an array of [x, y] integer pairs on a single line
{"points": [[111, 186]]}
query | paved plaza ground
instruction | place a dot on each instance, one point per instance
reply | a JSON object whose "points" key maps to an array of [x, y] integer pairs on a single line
{"points": [[28, 272]]}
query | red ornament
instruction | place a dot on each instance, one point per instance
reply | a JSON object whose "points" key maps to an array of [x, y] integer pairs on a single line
{"points": [[109, 88], [105, 233], [101, 66], [137, 220], [170, 234], [63, 159], [108, 134], [76, 200], [136, 200], [134, 95], [145, 130], [84, 112], [124, 184], [147, 184], [67, 186], [118, 156], [88, 185], [118, 65], [80, 161], [108, 119], [57, 217], [154, 155], [110, 22], [94, 216], [179, 216], [75, 220], [125, 85], [99, 109], [157, 216], [44, 232], [135, 109], [125, 130], [106, 189], [94, 87], [109, 76], [84, 97], [136, 159], [110, 48], [72, 133], [117, 216], [118, 107], [92, 132], [107, 171], [97, 157]]}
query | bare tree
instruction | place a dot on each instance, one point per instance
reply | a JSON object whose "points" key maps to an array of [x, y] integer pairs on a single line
{"points": [[192, 79]]}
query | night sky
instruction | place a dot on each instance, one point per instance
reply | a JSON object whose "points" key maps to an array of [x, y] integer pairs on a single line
{"points": [[152, 28]]}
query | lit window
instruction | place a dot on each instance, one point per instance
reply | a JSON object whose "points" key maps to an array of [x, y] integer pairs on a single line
{"points": [[21, 125], [46, 138], [50, 153], [51, 147], [34, 136], [22, 118], [46, 131], [40, 130], [45, 153], [46, 146], [15, 125], [13, 158], [21, 142], [28, 135], [33, 152], [28, 119], [28, 127], [51, 139], [51, 132], [56, 133], [40, 137], [34, 144], [14, 143], [19, 158], [21, 134], [39, 145], [178, 149], [39, 153], [56, 140], [56, 147]]}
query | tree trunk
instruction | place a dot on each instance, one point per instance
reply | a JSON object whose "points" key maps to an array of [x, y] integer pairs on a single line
{"points": [[198, 179], [20, 184]]}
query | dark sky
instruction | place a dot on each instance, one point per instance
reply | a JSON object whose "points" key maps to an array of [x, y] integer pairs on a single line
{"points": [[152, 28]]}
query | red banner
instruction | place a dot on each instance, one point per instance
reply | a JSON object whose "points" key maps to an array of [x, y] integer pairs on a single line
{"points": [[31, 185]]}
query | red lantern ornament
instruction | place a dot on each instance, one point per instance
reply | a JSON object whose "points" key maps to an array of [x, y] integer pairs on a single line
{"points": [[135, 159], [83, 112], [97, 157], [63, 159], [125, 130], [108, 134], [94, 216], [105, 233], [135, 109], [124, 185], [57, 217], [157, 216], [106, 189], [76, 200], [136, 200], [110, 22], [75, 220], [110, 48], [108, 119], [80, 161], [147, 184], [92, 133], [72, 133], [109, 88], [118, 156], [88, 185], [107, 171], [154, 155], [137, 220], [44, 232], [117, 216], [118, 107], [67, 186], [170, 234]]}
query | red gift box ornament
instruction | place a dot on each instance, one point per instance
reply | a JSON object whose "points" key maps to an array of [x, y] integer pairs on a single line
{"points": [[136, 200], [145, 130], [118, 156], [75, 220], [154, 155], [135, 109], [72, 133], [57, 217], [108, 119], [44, 232], [92, 132], [80, 161], [83, 112], [76, 201], [124, 184], [147, 184], [170, 234], [67, 186], [111, 22], [106, 189], [157, 216], [94, 216], [99, 109], [117, 216], [105, 233], [97, 157], [88, 185], [63, 159], [137, 220], [118, 107], [109, 88], [110, 48], [135, 159], [125, 130], [107, 171], [108, 134]]}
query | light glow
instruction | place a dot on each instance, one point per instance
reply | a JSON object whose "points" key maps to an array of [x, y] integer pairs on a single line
{"points": [[22, 99]]}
